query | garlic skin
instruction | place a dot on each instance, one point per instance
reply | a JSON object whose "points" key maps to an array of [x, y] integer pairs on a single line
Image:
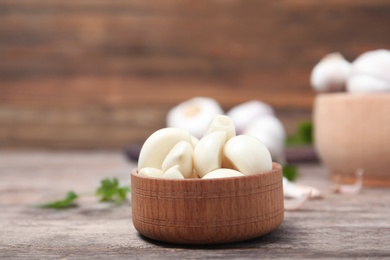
{"points": [[194, 115], [370, 73], [293, 190], [173, 173], [270, 131], [330, 73], [246, 154], [181, 155], [222, 123], [243, 114], [208, 153], [222, 173], [159, 144], [150, 172]]}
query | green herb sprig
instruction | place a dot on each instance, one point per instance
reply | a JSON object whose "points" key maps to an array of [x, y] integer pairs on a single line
{"points": [[108, 191], [302, 136], [67, 202], [290, 172]]}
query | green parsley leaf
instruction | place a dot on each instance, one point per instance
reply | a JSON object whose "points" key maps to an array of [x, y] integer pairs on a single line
{"points": [[303, 135], [290, 172], [67, 202], [110, 191]]}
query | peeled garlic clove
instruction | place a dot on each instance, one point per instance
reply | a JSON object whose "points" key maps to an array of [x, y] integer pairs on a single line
{"points": [[243, 114], [151, 172], [194, 175], [247, 154], [181, 155], [331, 73], [270, 131], [194, 115], [370, 72], [222, 123], [222, 173], [173, 173], [158, 145], [208, 153], [194, 141]]}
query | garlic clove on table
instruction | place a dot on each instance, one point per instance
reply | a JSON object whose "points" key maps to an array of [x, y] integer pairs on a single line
{"points": [[246, 154], [294, 190], [242, 115], [194, 115], [330, 73]]}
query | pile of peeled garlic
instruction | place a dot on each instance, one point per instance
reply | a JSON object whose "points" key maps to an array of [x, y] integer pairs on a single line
{"points": [[370, 72], [174, 153]]}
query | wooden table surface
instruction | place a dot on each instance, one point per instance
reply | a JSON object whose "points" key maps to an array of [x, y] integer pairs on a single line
{"points": [[336, 226]]}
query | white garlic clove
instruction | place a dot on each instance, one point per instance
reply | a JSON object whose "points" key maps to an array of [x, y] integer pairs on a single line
{"points": [[158, 145], [208, 153], [331, 73], [194, 141], [173, 173], [194, 175], [194, 115], [222, 123], [370, 72], [243, 114], [181, 155], [246, 154], [150, 172], [222, 173], [270, 131], [293, 190]]}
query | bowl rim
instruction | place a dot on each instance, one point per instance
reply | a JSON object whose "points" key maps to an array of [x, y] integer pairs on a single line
{"points": [[276, 167]]}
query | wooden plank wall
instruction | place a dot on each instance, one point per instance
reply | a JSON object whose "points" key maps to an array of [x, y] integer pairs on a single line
{"points": [[102, 74]]}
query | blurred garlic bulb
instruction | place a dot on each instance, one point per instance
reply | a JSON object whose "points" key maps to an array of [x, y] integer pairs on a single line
{"points": [[194, 115], [331, 73], [270, 131], [370, 72], [222, 123], [245, 113]]}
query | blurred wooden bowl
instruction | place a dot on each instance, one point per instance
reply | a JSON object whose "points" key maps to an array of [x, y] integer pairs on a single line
{"points": [[352, 131], [213, 211]]}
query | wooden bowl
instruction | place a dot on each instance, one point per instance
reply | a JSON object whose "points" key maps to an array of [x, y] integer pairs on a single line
{"points": [[212, 211], [352, 131]]}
